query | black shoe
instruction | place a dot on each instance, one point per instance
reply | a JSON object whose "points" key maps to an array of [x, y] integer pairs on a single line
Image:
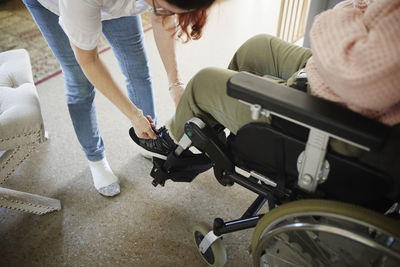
{"points": [[160, 147]]}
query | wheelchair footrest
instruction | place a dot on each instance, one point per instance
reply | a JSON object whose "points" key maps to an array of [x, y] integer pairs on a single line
{"points": [[179, 169]]}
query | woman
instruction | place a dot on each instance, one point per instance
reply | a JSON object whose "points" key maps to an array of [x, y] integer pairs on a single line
{"points": [[72, 29]]}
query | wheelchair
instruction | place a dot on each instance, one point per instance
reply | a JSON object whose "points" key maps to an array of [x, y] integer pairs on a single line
{"points": [[325, 209]]}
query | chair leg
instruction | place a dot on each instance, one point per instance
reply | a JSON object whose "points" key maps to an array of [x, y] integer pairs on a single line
{"points": [[27, 202], [17, 200], [11, 159]]}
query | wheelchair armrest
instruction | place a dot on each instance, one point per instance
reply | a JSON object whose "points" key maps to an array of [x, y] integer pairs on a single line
{"points": [[309, 110]]}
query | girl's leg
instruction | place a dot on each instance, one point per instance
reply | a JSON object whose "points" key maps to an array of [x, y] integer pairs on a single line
{"points": [[205, 97], [125, 36], [266, 55], [80, 95], [79, 91]]}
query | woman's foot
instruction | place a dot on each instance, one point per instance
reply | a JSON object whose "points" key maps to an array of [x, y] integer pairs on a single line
{"points": [[104, 180]]}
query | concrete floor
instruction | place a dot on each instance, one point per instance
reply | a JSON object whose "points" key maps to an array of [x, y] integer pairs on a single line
{"points": [[143, 226]]}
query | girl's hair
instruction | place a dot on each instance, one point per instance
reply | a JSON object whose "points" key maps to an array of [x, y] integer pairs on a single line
{"points": [[191, 23]]}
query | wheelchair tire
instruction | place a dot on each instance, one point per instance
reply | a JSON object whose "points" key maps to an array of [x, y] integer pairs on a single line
{"points": [[325, 233], [216, 254]]}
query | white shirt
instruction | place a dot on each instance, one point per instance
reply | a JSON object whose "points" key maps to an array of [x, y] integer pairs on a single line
{"points": [[81, 19]]}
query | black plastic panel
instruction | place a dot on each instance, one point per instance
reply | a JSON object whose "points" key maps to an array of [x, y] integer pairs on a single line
{"points": [[310, 110]]}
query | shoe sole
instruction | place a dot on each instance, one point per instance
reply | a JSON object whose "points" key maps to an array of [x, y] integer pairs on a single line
{"points": [[146, 153]]}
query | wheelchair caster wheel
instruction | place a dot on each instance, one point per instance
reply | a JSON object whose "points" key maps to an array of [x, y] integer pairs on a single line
{"points": [[215, 255]]}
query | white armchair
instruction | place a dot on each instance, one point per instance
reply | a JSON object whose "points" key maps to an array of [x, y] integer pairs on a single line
{"points": [[21, 129]]}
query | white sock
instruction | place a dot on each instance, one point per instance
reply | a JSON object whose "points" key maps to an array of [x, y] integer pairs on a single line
{"points": [[104, 179]]}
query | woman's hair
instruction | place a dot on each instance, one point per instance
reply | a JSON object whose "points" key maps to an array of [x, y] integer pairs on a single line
{"points": [[191, 23]]}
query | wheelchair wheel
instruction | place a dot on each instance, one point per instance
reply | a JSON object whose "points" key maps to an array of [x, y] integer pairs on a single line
{"points": [[325, 233], [216, 253]]}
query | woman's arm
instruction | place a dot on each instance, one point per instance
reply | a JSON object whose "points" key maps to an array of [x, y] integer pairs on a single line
{"points": [[100, 77], [163, 30], [81, 22]]}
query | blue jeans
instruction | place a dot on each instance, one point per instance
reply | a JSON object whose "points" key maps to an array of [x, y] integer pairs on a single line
{"points": [[125, 35]]}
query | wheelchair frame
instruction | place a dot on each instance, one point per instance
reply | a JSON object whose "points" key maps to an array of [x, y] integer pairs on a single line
{"points": [[324, 120]]}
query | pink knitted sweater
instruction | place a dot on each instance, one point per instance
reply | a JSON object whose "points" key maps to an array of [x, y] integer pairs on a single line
{"points": [[356, 58]]}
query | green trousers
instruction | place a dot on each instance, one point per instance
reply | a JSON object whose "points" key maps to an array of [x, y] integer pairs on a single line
{"points": [[264, 55], [205, 95]]}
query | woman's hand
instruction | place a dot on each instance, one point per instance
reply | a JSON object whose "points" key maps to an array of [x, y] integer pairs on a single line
{"points": [[176, 93], [144, 127]]}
